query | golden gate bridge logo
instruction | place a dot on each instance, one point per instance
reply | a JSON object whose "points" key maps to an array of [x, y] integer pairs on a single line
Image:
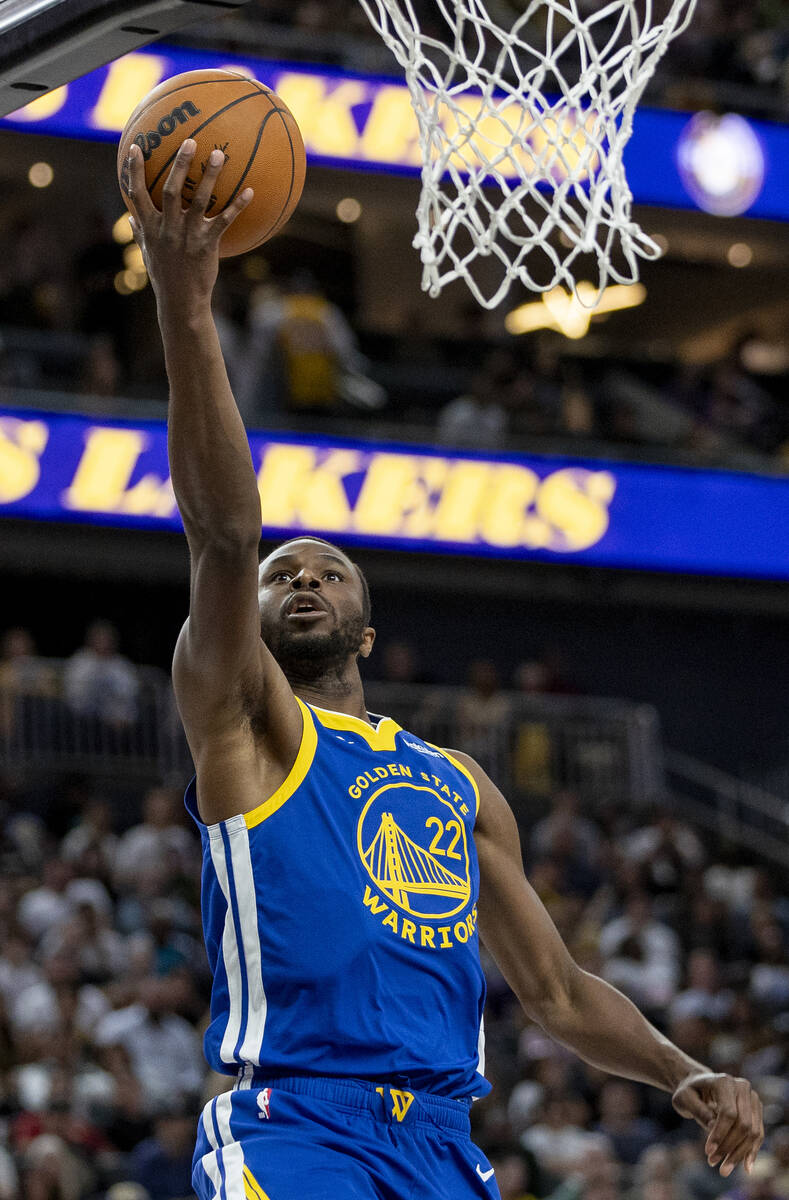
{"points": [[415, 878]]}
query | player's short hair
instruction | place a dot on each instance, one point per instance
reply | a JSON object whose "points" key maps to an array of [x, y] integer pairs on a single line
{"points": [[308, 537]]}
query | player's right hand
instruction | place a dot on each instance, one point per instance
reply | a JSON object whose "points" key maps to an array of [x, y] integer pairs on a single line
{"points": [[180, 245]]}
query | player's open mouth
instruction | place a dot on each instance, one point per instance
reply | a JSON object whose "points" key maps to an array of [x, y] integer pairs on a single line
{"points": [[305, 610]]}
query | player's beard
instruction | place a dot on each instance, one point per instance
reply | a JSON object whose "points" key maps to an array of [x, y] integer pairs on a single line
{"points": [[311, 655]]}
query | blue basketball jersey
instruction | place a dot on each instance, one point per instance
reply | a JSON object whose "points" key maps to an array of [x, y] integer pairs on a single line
{"points": [[340, 916]]}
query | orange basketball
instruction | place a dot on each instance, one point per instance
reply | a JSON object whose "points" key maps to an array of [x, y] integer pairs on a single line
{"points": [[259, 136]]}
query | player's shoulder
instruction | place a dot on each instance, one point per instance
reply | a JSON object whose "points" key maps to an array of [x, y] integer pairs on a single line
{"points": [[492, 808], [465, 760]]}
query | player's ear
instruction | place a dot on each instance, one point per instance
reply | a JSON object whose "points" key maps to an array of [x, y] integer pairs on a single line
{"points": [[368, 637]]}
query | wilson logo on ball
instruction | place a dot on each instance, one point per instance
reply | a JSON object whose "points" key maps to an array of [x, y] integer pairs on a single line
{"points": [[258, 135], [152, 140]]}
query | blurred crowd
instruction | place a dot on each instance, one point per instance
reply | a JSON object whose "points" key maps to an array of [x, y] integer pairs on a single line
{"points": [[104, 984], [745, 45], [296, 359]]}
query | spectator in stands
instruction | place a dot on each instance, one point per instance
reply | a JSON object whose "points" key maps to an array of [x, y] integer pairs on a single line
{"points": [[160, 842], [163, 1163], [163, 1049], [703, 996], [101, 369], [560, 1140], [642, 956], [303, 343], [480, 416], [99, 682], [482, 714], [91, 842], [22, 674], [629, 1134], [665, 850], [49, 904], [565, 818], [400, 663], [59, 997], [517, 1174]]}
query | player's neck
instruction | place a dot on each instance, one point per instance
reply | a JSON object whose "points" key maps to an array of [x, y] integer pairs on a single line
{"points": [[340, 692]]}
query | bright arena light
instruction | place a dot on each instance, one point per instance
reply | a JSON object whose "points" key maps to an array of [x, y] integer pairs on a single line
{"points": [[349, 210], [121, 230], [41, 174], [721, 162], [740, 254], [571, 313]]}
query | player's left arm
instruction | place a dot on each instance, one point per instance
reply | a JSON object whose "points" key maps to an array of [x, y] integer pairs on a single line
{"points": [[582, 1011]]}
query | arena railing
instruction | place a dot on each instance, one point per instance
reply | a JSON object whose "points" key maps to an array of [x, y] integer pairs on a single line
{"points": [[737, 812], [608, 752], [532, 745]]}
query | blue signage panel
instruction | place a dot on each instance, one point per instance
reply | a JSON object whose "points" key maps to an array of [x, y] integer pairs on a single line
{"points": [[724, 165], [78, 468]]}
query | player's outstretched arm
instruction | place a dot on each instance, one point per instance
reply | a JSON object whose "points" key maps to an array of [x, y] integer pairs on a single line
{"points": [[582, 1011], [220, 661]]}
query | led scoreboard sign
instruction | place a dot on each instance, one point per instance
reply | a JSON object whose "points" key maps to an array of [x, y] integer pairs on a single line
{"points": [[726, 165], [57, 467]]}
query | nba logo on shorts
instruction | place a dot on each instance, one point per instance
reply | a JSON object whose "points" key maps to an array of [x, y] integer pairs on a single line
{"points": [[264, 1096]]}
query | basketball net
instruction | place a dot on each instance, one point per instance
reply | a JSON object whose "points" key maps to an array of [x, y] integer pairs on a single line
{"points": [[524, 109]]}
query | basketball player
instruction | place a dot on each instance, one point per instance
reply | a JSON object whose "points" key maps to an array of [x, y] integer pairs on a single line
{"points": [[349, 866]]}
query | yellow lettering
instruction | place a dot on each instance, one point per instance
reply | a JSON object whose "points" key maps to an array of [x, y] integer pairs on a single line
{"points": [[461, 931], [381, 772], [512, 491], [128, 78], [43, 107], [391, 920], [373, 902], [470, 924], [401, 1102], [445, 943], [485, 137], [394, 769], [104, 470], [406, 770], [298, 489], [426, 935], [397, 494], [361, 782], [323, 112], [575, 502], [354, 791], [21, 445], [563, 146], [445, 789], [459, 511], [408, 930], [391, 132]]}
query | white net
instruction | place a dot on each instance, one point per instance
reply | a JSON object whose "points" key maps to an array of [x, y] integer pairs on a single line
{"points": [[525, 108]]}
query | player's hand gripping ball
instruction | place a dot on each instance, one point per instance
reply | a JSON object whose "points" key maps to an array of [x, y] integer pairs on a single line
{"points": [[241, 117]]}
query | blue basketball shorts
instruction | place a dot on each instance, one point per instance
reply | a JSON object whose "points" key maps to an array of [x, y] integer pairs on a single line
{"points": [[331, 1139]]}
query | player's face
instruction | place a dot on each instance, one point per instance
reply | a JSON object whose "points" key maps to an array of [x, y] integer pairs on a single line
{"points": [[311, 607]]}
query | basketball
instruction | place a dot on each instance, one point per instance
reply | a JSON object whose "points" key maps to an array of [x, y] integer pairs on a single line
{"points": [[258, 134]]}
